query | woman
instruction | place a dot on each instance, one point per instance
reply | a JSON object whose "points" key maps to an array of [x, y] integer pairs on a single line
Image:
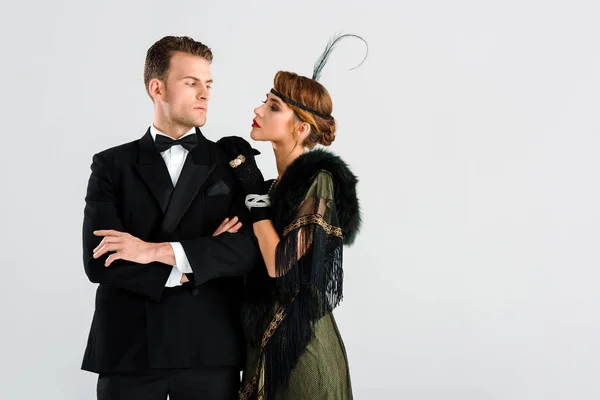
{"points": [[301, 221]]}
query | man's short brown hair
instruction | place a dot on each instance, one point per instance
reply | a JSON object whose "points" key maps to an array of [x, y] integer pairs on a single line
{"points": [[159, 55]]}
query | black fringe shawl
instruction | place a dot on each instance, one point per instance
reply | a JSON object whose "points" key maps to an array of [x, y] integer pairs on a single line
{"points": [[312, 230]]}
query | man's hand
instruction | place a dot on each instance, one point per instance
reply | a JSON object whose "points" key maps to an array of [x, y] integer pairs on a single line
{"points": [[125, 247], [228, 225]]}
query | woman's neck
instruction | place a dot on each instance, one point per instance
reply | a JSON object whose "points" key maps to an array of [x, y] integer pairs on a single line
{"points": [[285, 155]]}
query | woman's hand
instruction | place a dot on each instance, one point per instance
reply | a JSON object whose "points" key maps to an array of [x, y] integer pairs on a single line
{"points": [[246, 173], [234, 146]]}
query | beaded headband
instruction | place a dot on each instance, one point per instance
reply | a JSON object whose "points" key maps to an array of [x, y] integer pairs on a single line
{"points": [[294, 103]]}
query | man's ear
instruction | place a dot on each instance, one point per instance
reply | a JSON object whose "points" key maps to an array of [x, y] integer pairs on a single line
{"points": [[156, 88]]}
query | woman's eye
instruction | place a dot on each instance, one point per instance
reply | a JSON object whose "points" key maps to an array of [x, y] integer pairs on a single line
{"points": [[273, 108]]}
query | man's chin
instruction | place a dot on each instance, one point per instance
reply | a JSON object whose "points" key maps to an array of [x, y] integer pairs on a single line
{"points": [[197, 122]]}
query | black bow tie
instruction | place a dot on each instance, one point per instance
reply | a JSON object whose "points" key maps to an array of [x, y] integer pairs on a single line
{"points": [[164, 143]]}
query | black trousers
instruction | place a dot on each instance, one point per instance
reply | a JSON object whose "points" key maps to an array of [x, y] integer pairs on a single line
{"points": [[214, 383]]}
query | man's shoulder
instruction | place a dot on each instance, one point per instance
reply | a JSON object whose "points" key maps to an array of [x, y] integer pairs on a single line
{"points": [[124, 152]]}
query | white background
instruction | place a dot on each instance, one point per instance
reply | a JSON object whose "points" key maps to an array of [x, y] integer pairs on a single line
{"points": [[473, 126]]}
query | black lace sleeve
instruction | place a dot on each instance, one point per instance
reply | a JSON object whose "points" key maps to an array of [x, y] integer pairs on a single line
{"points": [[309, 255]]}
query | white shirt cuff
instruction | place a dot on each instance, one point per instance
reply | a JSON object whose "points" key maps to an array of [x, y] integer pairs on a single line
{"points": [[174, 278], [181, 260]]}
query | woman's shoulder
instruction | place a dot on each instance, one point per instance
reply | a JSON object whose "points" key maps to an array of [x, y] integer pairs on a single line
{"points": [[318, 161], [325, 168]]}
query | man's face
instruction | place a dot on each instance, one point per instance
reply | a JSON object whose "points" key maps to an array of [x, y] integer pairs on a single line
{"points": [[186, 90]]}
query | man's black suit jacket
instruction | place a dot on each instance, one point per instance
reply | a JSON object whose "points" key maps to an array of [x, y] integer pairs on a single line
{"points": [[138, 323]]}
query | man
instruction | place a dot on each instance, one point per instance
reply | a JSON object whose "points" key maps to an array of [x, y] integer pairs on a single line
{"points": [[170, 273]]}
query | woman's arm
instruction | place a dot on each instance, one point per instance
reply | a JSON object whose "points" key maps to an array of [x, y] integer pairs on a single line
{"points": [[268, 239]]}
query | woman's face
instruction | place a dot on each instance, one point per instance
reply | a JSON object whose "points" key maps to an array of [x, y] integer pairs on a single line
{"points": [[273, 121]]}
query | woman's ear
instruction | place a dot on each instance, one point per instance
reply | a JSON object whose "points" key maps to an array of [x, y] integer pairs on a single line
{"points": [[302, 131]]}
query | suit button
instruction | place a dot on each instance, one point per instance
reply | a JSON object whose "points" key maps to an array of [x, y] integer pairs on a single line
{"points": [[195, 291]]}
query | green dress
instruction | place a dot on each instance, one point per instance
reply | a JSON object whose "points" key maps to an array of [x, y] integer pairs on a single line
{"points": [[322, 369], [294, 349]]}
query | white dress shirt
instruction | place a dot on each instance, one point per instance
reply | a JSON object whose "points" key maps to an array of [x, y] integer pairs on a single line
{"points": [[174, 159]]}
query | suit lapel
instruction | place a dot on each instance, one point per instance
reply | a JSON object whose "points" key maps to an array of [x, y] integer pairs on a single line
{"points": [[153, 171], [196, 170]]}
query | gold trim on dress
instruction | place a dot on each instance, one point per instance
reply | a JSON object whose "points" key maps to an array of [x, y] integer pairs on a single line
{"points": [[313, 219], [252, 385]]}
